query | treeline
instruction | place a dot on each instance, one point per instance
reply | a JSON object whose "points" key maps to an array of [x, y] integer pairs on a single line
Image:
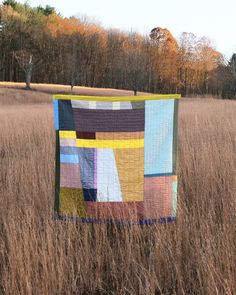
{"points": [[39, 45]]}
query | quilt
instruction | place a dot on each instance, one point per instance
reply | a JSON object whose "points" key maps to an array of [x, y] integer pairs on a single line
{"points": [[116, 158]]}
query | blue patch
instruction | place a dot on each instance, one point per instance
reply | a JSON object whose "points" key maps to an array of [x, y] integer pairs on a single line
{"points": [[56, 114], [112, 221], [69, 150]]}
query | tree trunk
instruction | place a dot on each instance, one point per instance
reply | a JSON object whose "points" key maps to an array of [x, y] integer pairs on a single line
{"points": [[28, 73], [207, 82]]}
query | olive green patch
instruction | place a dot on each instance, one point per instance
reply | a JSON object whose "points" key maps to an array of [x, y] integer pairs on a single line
{"points": [[138, 104], [72, 202]]}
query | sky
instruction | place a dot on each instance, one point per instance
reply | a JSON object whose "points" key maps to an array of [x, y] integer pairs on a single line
{"points": [[211, 18]]}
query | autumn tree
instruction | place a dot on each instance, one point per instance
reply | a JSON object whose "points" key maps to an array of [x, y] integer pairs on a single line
{"points": [[187, 44], [164, 52], [134, 62], [197, 59], [23, 34]]}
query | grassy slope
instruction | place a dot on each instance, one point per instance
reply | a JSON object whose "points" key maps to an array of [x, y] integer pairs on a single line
{"points": [[197, 255], [54, 89]]}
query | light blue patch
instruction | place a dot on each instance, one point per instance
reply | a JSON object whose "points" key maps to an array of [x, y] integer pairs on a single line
{"points": [[108, 184], [56, 114], [70, 159], [158, 138]]}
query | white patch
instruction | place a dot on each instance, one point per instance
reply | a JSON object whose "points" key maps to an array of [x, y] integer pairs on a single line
{"points": [[92, 105], [116, 105], [108, 184]]}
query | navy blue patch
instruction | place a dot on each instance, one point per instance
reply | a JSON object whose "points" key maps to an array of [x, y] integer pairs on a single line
{"points": [[142, 222], [90, 195]]}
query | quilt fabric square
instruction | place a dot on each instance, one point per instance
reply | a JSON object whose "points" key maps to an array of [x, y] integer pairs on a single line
{"points": [[116, 158]]}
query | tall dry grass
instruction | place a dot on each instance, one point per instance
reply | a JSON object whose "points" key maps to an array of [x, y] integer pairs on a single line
{"points": [[196, 255]]}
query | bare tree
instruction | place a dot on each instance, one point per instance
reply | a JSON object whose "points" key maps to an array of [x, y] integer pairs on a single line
{"points": [[25, 61], [232, 65]]}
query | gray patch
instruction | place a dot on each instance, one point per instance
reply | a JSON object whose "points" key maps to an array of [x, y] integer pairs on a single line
{"points": [[80, 104], [86, 160]]}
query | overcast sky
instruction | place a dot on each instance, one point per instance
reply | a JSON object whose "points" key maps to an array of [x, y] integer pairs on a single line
{"points": [[212, 18]]}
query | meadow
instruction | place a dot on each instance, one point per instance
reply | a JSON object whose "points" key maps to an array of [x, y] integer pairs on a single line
{"points": [[195, 255]]}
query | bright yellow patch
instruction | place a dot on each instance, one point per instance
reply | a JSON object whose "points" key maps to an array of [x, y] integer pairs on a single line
{"points": [[67, 134], [112, 144]]}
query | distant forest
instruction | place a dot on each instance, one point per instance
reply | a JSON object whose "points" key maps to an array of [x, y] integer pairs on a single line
{"points": [[37, 44]]}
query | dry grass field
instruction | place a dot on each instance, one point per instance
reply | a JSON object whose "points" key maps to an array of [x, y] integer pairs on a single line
{"points": [[38, 256]]}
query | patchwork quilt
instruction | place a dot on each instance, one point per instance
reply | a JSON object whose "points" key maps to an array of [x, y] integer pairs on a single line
{"points": [[116, 158]]}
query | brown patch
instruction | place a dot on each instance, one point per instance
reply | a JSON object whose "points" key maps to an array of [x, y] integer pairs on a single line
{"points": [[85, 135], [130, 211]]}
